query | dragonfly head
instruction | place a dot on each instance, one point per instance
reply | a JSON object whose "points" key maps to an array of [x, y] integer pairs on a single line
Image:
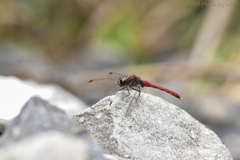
{"points": [[121, 82]]}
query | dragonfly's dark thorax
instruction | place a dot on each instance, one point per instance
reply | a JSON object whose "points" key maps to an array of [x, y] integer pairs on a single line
{"points": [[132, 80], [137, 81]]}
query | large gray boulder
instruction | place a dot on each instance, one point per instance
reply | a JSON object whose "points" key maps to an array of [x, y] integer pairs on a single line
{"points": [[152, 129], [42, 131], [37, 116]]}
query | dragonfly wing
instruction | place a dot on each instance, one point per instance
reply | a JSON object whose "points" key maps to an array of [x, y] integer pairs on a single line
{"points": [[115, 76], [110, 83], [116, 87], [102, 83]]}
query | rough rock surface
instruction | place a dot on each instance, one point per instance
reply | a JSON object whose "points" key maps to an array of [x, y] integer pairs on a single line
{"points": [[153, 129], [43, 129]]}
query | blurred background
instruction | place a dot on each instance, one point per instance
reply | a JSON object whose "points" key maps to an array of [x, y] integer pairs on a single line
{"points": [[191, 47]]}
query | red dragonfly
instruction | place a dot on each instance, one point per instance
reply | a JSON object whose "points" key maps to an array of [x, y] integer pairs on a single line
{"points": [[116, 81]]}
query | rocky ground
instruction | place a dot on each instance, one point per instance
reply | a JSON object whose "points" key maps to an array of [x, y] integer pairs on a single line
{"points": [[152, 128]]}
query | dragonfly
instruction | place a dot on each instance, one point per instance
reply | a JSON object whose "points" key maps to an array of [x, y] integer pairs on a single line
{"points": [[117, 81]]}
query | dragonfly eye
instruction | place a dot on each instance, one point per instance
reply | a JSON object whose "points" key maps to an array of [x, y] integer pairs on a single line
{"points": [[120, 82]]}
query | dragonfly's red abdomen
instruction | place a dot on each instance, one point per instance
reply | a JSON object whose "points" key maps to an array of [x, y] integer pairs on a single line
{"points": [[147, 84]]}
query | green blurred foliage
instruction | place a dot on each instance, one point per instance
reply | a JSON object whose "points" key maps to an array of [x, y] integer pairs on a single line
{"points": [[138, 29], [121, 31]]}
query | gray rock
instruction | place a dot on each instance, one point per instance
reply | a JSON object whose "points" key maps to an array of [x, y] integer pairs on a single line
{"points": [[153, 129], [48, 146], [39, 117], [15, 93]]}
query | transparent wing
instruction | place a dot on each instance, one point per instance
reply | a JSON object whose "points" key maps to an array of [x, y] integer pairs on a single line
{"points": [[102, 83], [110, 83], [115, 76]]}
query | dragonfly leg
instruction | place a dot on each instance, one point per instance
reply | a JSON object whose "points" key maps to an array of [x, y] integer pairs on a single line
{"points": [[123, 89], [129, 105], [128, 92], [138, 90], [139, 93]]}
